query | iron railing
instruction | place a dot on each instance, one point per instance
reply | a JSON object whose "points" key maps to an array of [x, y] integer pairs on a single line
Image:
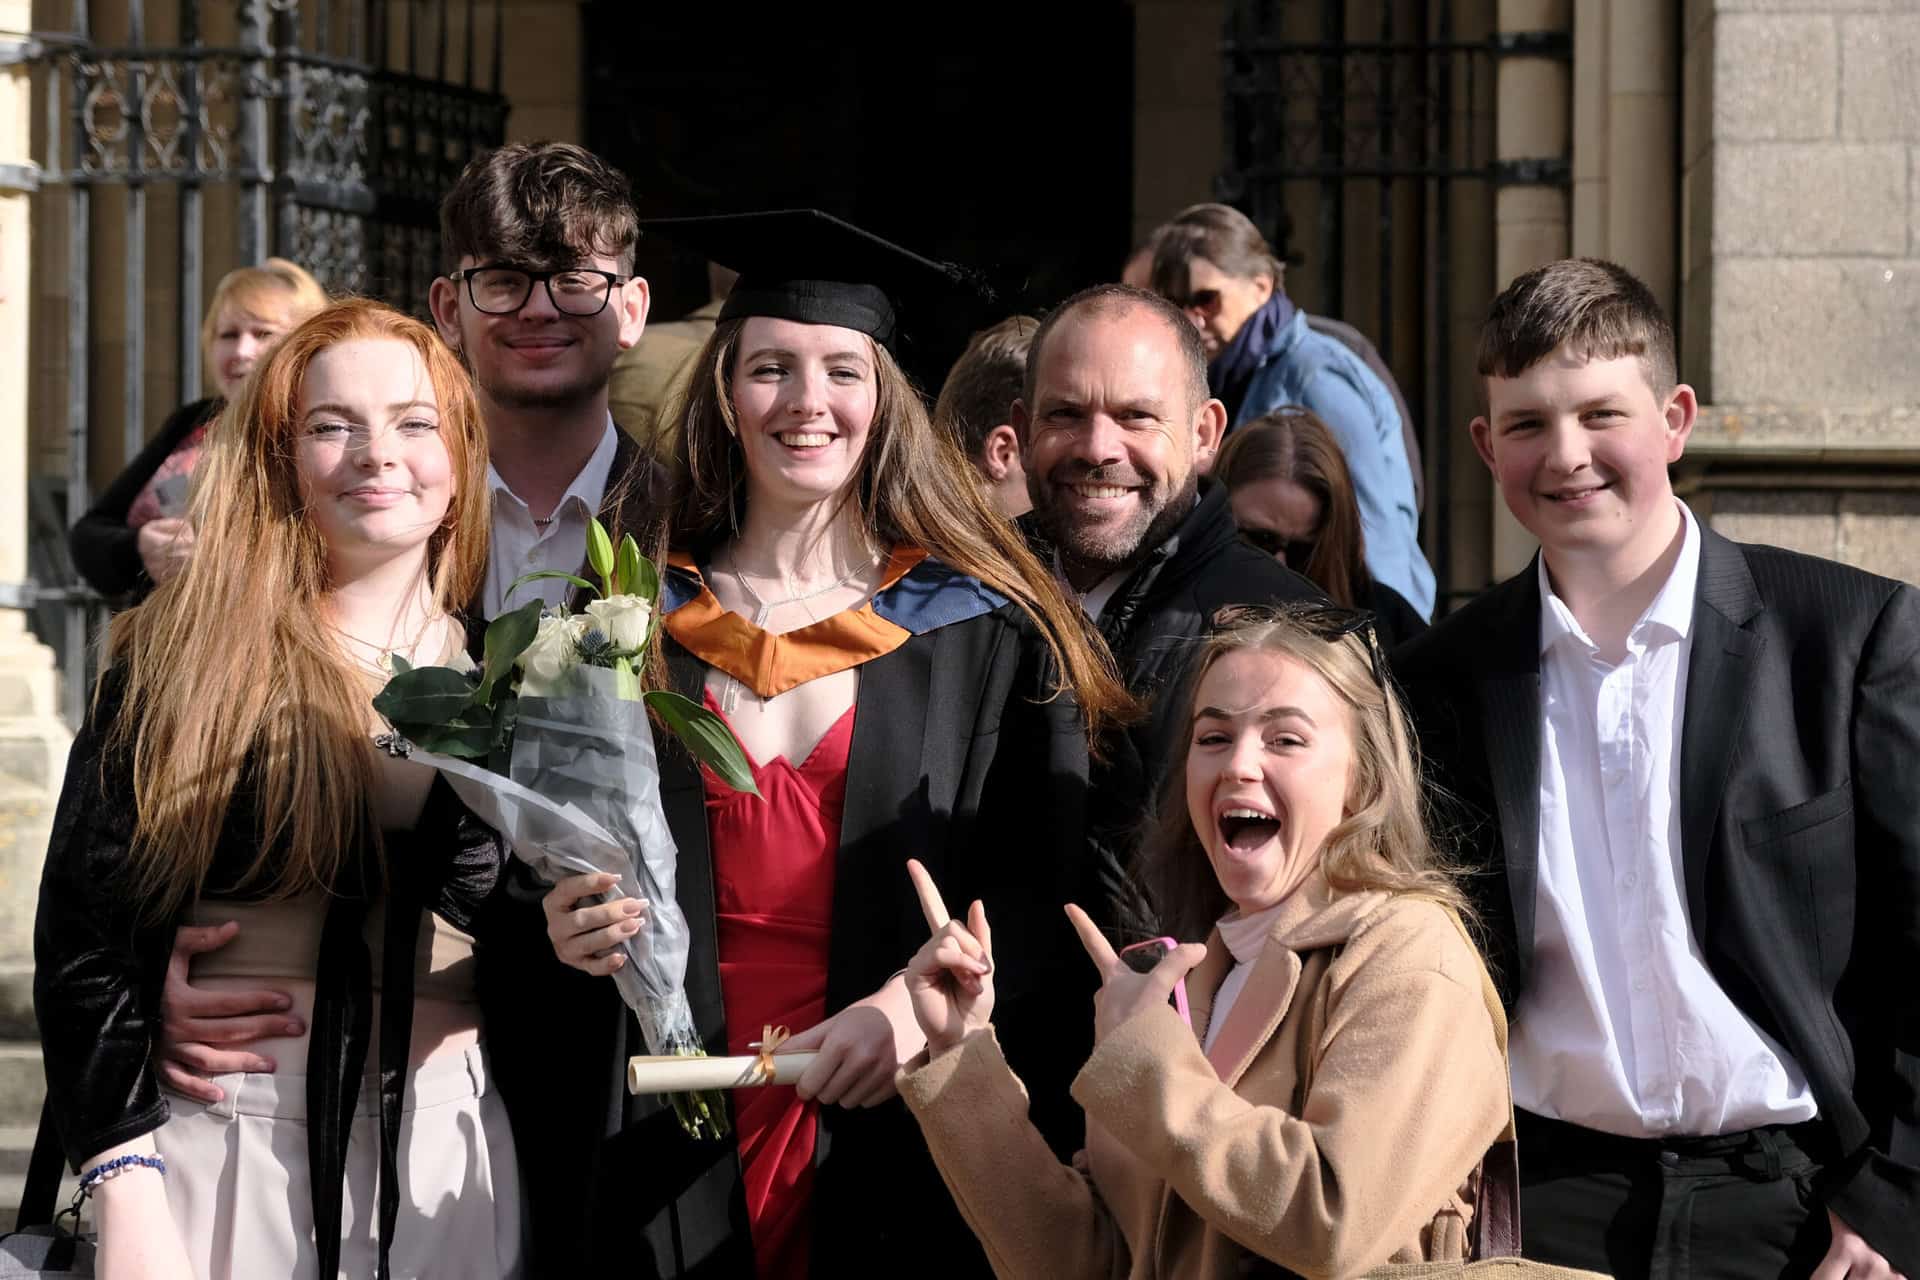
{"points": [[330, 128], [1363, 120]]}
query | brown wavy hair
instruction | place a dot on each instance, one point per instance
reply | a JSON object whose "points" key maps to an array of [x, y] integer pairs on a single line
{"points": [[913, 486], [1382, 843], [1292, 443], [230, 673]]}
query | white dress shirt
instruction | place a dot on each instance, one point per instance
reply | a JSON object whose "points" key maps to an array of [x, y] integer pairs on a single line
{"points": [[1622, 1027], [520, 546]]}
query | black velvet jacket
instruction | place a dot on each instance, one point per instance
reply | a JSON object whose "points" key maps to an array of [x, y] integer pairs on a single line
{"points": [[99, 966]]}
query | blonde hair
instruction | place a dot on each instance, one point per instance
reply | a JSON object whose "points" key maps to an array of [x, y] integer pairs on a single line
{"points": [[1381, 844], [274, 286], [914, 486], [229, 670]]}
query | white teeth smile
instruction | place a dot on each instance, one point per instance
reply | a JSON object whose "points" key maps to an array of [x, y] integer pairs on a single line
{"points": [[804, 439], [1100, 490]]}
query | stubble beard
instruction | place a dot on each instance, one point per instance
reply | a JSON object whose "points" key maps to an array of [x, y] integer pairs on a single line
{"points": [[565, 396], [1084, 552]]}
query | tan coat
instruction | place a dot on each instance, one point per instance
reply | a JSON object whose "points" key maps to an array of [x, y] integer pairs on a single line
{"points": [[1195, 1160], [649, 379]]}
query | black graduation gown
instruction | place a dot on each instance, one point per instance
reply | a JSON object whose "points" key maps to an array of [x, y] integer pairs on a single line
{"points": [[961, 758]]}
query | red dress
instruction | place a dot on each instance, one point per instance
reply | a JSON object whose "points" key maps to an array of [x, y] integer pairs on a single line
{"points": [[773, 862]]}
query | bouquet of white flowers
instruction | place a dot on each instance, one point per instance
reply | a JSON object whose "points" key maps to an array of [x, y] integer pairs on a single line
{"points": [[549, 743]]}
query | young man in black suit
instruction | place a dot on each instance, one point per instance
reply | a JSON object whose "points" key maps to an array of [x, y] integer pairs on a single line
{"points": [[1684, 767]]}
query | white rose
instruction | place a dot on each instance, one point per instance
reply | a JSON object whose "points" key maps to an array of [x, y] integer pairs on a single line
{"points": [[544, 664], [622, 619]]}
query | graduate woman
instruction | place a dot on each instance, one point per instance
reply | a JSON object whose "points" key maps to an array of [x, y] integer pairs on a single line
{"points": [[908, 682]]}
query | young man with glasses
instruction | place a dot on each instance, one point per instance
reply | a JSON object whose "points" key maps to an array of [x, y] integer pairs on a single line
{"points": [[539, 300]]}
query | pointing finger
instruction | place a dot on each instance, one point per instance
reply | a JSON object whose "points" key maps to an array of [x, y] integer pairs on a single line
{"points": [[1098, 949], [931, 904]]}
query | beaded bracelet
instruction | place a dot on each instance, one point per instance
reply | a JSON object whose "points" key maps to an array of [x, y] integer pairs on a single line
{"points": [[113, 1168]]}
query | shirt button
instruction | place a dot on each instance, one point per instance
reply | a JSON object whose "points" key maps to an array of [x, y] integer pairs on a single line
{"points": [[1640, 985], [533, 557], [1629, 880]]}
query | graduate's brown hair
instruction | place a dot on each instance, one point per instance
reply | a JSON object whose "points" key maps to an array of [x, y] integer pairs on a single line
{"points": [[913, 487]]}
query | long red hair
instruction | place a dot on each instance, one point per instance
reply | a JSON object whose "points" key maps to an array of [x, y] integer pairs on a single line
{"points": [[230, 666]]}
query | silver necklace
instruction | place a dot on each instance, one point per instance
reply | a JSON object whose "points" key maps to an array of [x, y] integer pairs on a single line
{"points": [[764, 609]]}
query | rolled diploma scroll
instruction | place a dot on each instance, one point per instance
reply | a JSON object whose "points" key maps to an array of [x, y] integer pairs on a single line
{"points": [[673, 1074]]}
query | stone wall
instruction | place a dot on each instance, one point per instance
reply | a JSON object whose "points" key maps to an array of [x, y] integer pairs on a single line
{"points": [[1801, 273]]}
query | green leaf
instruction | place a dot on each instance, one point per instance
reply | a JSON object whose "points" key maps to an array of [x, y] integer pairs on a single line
{"points": [[424, 696], [706, 735], [550, 573], [469, 740], [507, 638], [600, 554]]}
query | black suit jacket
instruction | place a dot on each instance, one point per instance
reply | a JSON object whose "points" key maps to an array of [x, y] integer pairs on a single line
{"points": [[1800, 827]]}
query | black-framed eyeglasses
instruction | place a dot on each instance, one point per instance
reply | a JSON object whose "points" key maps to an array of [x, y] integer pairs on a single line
{"points": [[1292, 552], [1321, 619], [501, 288]]}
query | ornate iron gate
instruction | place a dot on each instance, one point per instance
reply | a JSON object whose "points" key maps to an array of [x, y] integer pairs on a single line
{"points": [[1367, 121], [322, 131]]}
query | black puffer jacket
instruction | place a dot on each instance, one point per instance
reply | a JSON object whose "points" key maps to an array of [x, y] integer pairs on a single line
{"points": [[1152, 623]]}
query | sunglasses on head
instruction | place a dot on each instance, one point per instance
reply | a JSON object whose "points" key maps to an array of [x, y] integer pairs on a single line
{"points": [[1321, 619]]}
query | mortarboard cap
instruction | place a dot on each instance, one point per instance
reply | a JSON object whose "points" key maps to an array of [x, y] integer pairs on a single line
{"points": [[811, 267]]}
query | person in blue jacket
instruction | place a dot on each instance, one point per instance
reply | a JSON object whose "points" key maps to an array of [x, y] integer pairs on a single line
{"points": [[1213, 263]]}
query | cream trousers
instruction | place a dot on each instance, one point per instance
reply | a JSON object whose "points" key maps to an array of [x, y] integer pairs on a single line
{"points": [[238, 1187]]}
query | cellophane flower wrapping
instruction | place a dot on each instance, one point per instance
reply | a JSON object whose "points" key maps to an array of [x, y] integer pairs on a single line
{"points": [[582, 790]]}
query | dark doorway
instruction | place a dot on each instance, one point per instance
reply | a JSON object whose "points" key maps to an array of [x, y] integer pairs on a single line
{"points": [[995, 135]]}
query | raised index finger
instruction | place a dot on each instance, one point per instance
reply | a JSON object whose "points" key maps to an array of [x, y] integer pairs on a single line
{"points": [[1099, 950], [931, 904]]}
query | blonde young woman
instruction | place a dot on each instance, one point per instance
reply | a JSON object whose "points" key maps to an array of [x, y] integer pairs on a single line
{"points": [[232, 764], [907, 681], [1341, 1074], [136, 534]]}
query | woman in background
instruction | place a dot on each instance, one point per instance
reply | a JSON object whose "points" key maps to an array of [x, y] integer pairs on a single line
{"points": [[1293, 498], [136, 534]]}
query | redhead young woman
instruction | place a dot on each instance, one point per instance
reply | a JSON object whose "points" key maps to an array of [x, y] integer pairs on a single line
{"points": [[232, 767]]}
